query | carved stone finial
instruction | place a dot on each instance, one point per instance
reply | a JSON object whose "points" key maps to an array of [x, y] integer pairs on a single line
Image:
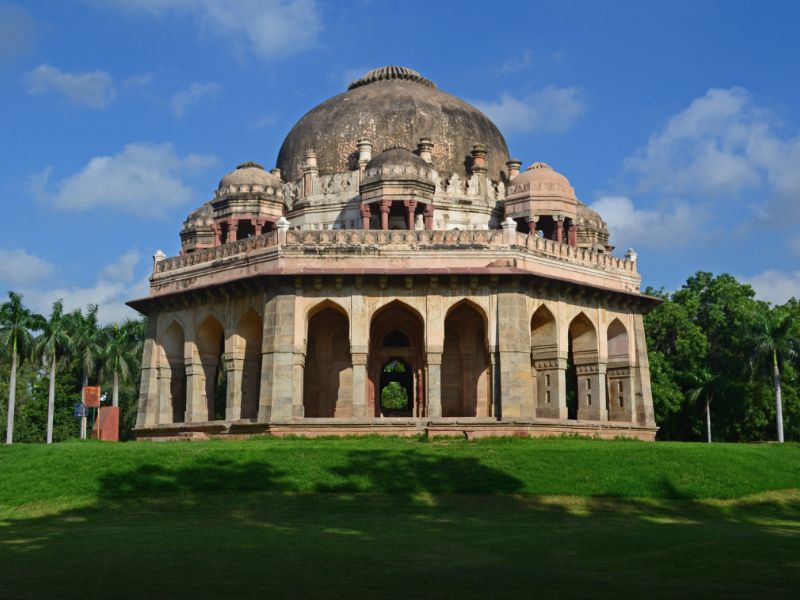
{"points": [[513, 168]]}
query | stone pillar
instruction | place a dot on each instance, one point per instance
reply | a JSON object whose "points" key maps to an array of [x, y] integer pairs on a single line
{"points": [[164, 394], [258, 226], [429, 216], [513, 166], [434, 381], [411, 205], [298, 377], [282, 225], [359, 360], [551, 395], [217, 229], [365, 216], [233, 225], [364, 155], [592, 392], [310, 171], [479, 153], [196, 407], [514, 352], [147, 410], [620, 394], [386, 206], [425, 147], [644, 412], [573, 233], [276, 396], [532, 224], [559, 229], [234, 366]]}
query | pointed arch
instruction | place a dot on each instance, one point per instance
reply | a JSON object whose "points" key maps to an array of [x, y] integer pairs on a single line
{"points": [[466, 374], [210, 342], [547, 369], [247, 349], [328, 373], [584, 339], [544, 334], [617, 336], [172, 345], [393, 320], [620, 382]]}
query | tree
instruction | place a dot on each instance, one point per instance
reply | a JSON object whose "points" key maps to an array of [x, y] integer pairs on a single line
{"points": [[87, 339], [16, 325], [774, 345], [706, 385], [51, 345], [119, 355]]}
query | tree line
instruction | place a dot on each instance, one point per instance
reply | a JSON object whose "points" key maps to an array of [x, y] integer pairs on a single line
{"points": [[724, 366], [46, 361]]}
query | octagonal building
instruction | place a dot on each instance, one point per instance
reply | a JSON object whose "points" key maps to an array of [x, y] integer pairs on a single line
{"points": [[396, 272]]}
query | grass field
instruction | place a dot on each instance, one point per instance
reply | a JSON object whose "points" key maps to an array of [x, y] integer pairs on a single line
{"points": [[398, 518]]}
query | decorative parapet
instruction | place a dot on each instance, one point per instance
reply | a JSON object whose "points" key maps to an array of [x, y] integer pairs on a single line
{"points": [[410, 240]]}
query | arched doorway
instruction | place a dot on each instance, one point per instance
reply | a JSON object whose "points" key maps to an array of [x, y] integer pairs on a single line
{"points": [[211, 348], [547, 368], [248, 351], [328, 375], [466, 380], [174, 404], [583, 373], [396, 342], [620, 381]]}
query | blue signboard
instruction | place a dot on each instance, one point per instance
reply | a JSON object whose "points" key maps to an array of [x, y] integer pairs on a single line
{"points": [[81, 411]]}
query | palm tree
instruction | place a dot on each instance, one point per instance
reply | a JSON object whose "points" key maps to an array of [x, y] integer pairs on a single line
{"points": [[87, 340], [16, 324], [706, 385], [119, 356], [51, 345], [774, 344]]}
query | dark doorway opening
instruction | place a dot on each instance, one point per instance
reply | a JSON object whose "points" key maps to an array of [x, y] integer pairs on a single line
{"points": [[397, 389], [571, 383]]}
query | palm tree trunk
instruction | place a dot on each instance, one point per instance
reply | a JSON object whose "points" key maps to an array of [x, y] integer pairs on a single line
{"points": [[776, 375], [708, 420], [12, 395], [115, 390], [51, 400]]}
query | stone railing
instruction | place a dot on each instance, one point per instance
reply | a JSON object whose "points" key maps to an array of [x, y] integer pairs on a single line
{"points": [[452, 239]]}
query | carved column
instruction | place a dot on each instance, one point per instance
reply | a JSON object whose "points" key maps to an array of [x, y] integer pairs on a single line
{"points": [[196, 408], [386, 206], [365, 216], [620, 394], [364, 156], [234, 366], [434, 380], [359, 360], [425, 148], [551, 396], [559, 229], [411, 205], [532, 225], [592, 392], [147, 412], [573, 233], [513, 166], [233, 225], [217, 229], [428, 216], [310, 171], [276, 396], [514, 353], [258, 226]]}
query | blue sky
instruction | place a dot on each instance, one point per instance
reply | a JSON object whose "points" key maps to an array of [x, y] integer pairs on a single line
{"points": [[678, 121]]}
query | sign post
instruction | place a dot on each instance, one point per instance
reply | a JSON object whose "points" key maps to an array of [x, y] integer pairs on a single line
{"points": [[91, 399]]}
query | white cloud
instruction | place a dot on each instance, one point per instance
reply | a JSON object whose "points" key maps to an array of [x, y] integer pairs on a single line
{"points": [[138, 81], [775, 286], [724, 145], [516, 64], [144, 179], [552, 109], [16, 31], [269, 28], [94, 89], [109, 291], [662, 227], [17, 267], [191, 97], [121, 270]]}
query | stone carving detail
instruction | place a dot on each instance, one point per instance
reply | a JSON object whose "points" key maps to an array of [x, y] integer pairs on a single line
{"points": [[454, 185]]}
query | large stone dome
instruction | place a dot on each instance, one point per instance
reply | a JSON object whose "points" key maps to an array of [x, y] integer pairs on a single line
{"points": [[390, 107]]}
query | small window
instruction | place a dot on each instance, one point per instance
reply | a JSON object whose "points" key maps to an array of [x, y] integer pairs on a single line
{"points": [[588, 399], [588, 383], [619, 387], [621, 402], [547, 380], [547, 397]]}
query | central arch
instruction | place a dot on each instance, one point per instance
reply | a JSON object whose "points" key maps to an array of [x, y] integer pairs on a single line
{"points": [[396, 337]]}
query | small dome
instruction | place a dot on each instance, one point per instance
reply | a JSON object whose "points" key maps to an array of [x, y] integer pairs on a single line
{"points": [[588, 215], [542, 180], [249, 174]]}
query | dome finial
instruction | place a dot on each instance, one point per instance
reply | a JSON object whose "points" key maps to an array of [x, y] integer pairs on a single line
{"points": [[389, 73]]}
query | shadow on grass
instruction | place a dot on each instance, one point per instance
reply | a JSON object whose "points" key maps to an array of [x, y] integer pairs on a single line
{"points": [[427, 528]]}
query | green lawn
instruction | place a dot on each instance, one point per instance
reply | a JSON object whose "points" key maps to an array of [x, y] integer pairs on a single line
{"points": [[375, 517]]}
